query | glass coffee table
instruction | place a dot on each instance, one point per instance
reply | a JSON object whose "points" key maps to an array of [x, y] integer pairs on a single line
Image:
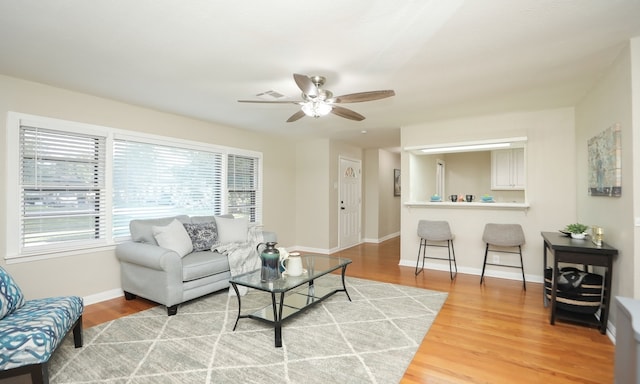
{"points": [[291, 295]]}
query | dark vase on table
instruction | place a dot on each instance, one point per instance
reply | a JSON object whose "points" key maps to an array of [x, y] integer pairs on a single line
{"points": [[270, 262]]}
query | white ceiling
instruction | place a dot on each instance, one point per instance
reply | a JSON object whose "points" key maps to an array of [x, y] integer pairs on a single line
{"points": [[444, 58]]}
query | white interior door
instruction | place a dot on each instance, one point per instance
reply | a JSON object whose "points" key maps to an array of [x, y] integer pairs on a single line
{"points": [[350, 202]]}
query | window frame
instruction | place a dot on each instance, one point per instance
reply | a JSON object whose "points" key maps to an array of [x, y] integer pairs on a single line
{"points": [[70, 207], [257, 206], [13, 217]]}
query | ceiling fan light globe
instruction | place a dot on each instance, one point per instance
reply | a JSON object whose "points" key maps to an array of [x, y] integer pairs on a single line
{"points": [[323, 109], [316, 109], [307, 108]]}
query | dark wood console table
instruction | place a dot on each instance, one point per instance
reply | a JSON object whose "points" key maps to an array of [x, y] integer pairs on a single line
{"points": [[564, 249]]}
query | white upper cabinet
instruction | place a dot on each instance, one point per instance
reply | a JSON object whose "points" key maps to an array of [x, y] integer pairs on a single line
{"points": [[507, 169]]}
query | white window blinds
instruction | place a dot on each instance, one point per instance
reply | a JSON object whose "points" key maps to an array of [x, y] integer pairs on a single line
{"points": [[62, 189], [73, 186], [152, 180], [244, 192]]}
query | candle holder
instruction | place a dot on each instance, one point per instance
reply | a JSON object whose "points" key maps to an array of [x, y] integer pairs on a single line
{"points": [[597, 235]]}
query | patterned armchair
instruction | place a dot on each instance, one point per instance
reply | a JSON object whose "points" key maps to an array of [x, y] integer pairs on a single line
{"points": [[30, 331]]}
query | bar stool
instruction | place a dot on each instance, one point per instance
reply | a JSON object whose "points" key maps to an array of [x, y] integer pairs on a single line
{"points": [[503, 236], [434, 234]]}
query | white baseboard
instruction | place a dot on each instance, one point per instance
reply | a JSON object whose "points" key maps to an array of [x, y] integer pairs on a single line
{"points": [[380, 240], [492, 272], [103, 296], [321, 251], [325, 251]]}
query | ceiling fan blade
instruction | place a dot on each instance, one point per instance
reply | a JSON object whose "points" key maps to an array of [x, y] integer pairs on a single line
{"points": [[346, 113], [306, 85], [296, 116], [365, 96], [271, 101]]}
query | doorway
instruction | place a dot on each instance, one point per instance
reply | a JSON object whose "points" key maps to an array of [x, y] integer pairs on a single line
{"points": [[350, 203]]}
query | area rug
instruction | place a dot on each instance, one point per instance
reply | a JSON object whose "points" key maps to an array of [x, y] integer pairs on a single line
{"points": [[371, 339]]}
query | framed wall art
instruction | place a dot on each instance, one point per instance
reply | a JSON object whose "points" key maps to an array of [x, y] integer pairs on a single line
{"points": [[605, 168], [396, 182]]}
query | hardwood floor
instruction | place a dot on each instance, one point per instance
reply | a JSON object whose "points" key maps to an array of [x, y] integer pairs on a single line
{"points": [[494, 333]]}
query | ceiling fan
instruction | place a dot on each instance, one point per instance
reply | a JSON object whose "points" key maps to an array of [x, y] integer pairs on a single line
{"points": [[317, 101]]}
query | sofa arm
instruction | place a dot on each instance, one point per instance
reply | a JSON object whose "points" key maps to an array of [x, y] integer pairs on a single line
{"points": [[149, 255]]}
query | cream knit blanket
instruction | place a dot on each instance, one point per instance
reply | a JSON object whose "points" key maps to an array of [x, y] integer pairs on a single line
{"points": [[243, 257]]}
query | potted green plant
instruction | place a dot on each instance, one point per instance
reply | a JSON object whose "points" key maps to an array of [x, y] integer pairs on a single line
{"points": [[577, 230]]}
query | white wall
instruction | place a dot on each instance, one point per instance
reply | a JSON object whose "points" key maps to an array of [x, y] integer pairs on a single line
{"points": [[371, 196], [312, 202], [422, 173], [551, 186], [608, 103], [468, 173], [635, 129], [381, 213], [95, 273], [389, 213]]}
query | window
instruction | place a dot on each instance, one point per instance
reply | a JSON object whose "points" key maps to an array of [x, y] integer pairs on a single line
{"points": [[440, 177], [62, 189], [243, 186], [157, 180], [77, 186]]}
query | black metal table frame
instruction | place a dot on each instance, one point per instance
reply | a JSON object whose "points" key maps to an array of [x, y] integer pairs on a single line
{"points": [[580, 252], [278, 306]]}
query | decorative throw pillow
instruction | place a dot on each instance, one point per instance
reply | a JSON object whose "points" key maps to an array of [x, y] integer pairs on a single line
{"points": [[203, 235], [232, 230], [173, 237], [11, 297]]}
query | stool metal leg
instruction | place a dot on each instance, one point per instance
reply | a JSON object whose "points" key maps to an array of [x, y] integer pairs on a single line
{"points": [[451, 257], [423, 247], [484, 264], [524, 283], [455, 265]]}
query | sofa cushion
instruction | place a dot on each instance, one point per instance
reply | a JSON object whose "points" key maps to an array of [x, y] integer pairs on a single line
{"points": [[31, 334], [201, 264], [203, 235], [232, 230], [141, 230], [174, 237], [11, 297]]}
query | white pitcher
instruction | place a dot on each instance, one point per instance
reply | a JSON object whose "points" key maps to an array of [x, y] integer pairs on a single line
{"points": [[293, 265]]}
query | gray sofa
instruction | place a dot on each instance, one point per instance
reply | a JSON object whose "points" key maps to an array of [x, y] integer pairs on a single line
{"points": [[173, 275]]}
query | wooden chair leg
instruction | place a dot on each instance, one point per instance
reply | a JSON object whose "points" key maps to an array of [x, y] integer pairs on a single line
{"points": [[77, 333], [39, 374], [43, 375]]}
